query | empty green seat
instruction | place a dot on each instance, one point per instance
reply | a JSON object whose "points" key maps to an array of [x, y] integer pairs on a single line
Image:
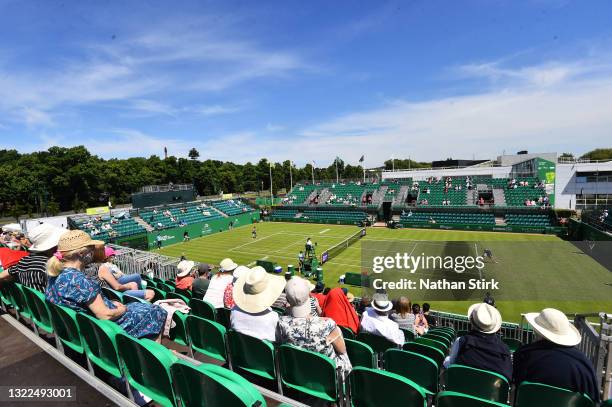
{"points": [[360, 354], [456, 399], [418, 368], [531, 394], [441, 346], [39, 310], [477, 382], [372, 388], [66, 327], [213, 386], [378, 343], [513, 344], [308, 372], [433, 353], [147, 368], [223, 317], [179, 333], [347, 333], [207, 337], [253, 355], [99, 339], [202, 309]]}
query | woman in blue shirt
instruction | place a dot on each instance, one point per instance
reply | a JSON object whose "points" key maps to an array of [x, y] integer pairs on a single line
{"points": [[69, 287]]}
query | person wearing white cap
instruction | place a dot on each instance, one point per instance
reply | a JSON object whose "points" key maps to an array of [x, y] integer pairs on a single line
{"points": [[481, 347], [184, 275], [31, 270], [553, 357], [300, 328], [218, 283], [376, 320], [253, 293]]}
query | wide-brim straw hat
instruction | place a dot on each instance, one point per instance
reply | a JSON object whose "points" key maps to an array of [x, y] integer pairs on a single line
{"points": [[75, 240], [485, 317], [184, 267], [227, 265], [256, 290], [44, 237], [553, 325]]}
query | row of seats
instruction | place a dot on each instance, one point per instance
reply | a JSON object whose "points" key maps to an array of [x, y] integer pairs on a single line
{"points": [[383, 374], [528, 219], [355, 216], [448, 218], [187, 214], [121, 228], [232, 207], [280, 214]]}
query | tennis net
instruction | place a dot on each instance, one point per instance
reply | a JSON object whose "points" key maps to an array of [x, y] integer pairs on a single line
{"points": [[336, 249]]}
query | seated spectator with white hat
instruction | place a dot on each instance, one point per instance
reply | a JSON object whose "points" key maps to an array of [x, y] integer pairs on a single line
{"points": [[376, 320], [216, 287], [481, 347], [184, 277], [253, 293], [553, 357], [31, 270]]}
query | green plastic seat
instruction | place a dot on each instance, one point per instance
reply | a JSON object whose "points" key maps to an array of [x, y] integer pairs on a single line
{"points": [[531, 394], [38, 306], [159, 294], [441, 346], [252, 355], [176, 296], [166, 287], [66, 327], [202, 309], [112, 295], [378, 343], [179, 333], [419, 368], [513, 344], [408, 335], [19, 300], [347, 333], [455, 399], [99, 339], [213, 386], [207, 337], [184, 293], [477, 382], [360, 354], [147, 367], [434, 354], [308, 372], [223, 317], [373, 388], [439, 337], [462, 333]]}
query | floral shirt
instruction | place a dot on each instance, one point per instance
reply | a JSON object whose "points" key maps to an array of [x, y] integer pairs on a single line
{"points": [[311, 334], [75, 290], [228, 296]]}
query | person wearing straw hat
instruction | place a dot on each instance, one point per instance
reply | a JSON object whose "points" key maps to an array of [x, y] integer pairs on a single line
{"points": [[31, 269], [184, 276], [254, 293], [218, 283], [376, 320], [482, 347], [69, 287], [300, 328], [553, 357]]}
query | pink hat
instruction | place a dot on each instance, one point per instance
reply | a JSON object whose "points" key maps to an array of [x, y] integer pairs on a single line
{"points": [[109, 251]]}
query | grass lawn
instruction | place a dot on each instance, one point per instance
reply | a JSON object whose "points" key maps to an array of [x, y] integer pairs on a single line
{"points": [[535, 271]]}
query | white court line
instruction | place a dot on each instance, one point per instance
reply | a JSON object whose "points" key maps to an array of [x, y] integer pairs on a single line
{"points": [[254, 241], [324, 231]]}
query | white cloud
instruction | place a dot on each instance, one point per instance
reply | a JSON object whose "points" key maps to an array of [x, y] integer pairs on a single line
{"points": [[212, 110], [274, 127]]}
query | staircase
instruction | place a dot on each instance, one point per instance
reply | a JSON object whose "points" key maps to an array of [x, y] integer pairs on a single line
{"points": [[324, 196], [499, 198], [400, 198], [500, 221], [472, 197], [310, 197], [144, 224], [379, 195]]}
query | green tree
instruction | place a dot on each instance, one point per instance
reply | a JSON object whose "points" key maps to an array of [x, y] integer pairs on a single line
{"points": [[193, 154], [598, 154]]}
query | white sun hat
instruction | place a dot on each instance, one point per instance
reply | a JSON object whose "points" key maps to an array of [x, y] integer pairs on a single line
{"points": [[227, 265], [381, 303], [44, 237], [255, 290], [298, 297], [485, 317], [553, 325], [184, 267]]}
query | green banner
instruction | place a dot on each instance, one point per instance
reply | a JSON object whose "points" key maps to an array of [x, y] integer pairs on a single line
{"points": [[489, 228], [195, 230], [546, 172]]}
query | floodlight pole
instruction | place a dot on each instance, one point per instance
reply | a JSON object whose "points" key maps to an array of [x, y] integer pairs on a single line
{"points": [[393, 164], [290, 174], [337, 181], [271, 196], [312, 170]]}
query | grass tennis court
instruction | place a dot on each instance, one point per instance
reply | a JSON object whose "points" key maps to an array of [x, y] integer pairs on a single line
{"points": [[539, 272]]}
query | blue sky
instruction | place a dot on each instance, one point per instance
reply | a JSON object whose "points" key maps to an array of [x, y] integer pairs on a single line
{"points": [[306, 80]]}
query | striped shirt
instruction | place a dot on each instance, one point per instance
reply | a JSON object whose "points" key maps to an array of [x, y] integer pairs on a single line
{"points": [[31, 271]]}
